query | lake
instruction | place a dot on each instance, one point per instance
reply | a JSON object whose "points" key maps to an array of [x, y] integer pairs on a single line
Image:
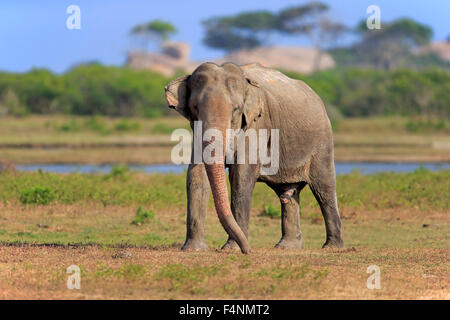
{"points": [[341, 167]]}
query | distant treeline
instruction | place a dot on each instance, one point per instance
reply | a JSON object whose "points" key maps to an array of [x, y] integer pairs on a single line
{"points": [[86, 90], [116, 91], [367, 92]]}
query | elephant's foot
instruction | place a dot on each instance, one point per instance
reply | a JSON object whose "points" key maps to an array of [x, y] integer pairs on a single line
{"points": [[194, 245], [231, 245], [295, 243], [333, 243]]}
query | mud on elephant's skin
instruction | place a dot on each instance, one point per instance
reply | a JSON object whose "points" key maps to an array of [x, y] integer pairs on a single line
{"points": [[251, 96]]}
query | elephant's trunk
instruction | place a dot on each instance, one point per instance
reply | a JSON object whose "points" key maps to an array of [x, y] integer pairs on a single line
{"points": [[217, 181]]}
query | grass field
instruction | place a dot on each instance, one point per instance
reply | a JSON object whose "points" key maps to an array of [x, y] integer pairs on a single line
{"points": [[98, 140], [124, 231]]}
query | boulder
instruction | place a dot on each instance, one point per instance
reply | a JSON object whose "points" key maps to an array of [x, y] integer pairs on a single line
{"points": [[440, 48], [300, 59]]}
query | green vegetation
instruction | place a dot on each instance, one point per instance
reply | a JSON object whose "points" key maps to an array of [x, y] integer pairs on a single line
{"points": [[161, 191], [37, 195], [252, 28], [126, 125], [70, 126], [95, 89], [392, 46], [359, 92], [96, 123], [87, 90], [156, 30], [142, 216], [243, 31], [428, 125], [120, 172], [293, 272], [127, 271], [270, 211], [163, 128], [184, 278]]}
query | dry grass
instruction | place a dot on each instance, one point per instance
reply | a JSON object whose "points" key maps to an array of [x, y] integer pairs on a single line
{"points": [[374, 139], [40, 272], [104, 155], [121, 260]]}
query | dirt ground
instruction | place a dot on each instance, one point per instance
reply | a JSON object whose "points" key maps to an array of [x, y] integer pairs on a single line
{"points": [[39, 272], [123, 254]]}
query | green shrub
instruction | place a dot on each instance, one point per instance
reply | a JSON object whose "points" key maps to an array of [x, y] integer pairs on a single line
{"points": [[428, 125], [162, 128], [126, 125], [118, 171], [366, 92], [270, 211], [86, 90], [37, 195], [70, 126], [142, 216], [96, 123]]}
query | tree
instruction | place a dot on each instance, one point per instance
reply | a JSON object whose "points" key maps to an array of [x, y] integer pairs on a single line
{"points": [[243, 31], [393, 44], [257, 23], [310, 20], [301, 19], [156, 30]]}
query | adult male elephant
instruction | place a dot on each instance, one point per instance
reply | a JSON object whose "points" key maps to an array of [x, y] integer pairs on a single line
{"points": [[254, 97]]}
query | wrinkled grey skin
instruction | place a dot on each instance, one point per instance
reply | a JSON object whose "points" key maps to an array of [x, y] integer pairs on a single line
{"points": [[253, 96]]}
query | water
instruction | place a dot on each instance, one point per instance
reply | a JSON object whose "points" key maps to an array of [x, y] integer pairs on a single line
{"points": [[341, 167]]}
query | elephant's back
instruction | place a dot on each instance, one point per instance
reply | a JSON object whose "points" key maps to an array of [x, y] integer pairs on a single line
{"points": [[291, 96], [300, 115]]}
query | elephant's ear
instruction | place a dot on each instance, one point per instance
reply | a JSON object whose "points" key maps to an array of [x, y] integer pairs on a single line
{"points": [[177, 95], [253, 104]]}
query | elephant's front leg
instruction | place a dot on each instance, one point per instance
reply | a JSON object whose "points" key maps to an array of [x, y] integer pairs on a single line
{"points": [[197, 187], [291, 235], [242, 182]]}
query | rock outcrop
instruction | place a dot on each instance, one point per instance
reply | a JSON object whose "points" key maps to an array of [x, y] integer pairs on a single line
{"points": [[440, 48], [298, 59], [175, 57]]}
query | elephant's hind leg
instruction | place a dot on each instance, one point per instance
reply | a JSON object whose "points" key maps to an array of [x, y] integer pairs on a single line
{"points": [[324, 189]]}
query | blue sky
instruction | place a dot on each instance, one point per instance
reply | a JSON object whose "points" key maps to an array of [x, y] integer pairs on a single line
{"points": [[34, 34]]}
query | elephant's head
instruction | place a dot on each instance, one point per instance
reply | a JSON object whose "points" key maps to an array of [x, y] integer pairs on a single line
{"points": [[222, 98]]}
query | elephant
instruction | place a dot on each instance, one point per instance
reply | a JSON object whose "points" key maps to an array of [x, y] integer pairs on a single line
{"points": [[252, 96]]}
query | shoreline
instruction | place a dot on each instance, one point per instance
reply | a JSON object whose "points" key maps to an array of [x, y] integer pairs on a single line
{"points": [[161, 156]]}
